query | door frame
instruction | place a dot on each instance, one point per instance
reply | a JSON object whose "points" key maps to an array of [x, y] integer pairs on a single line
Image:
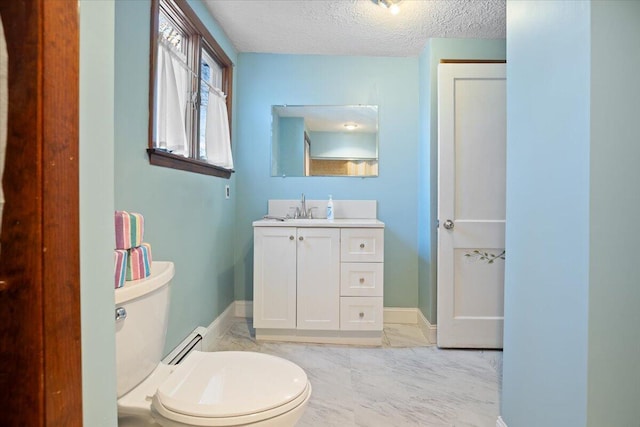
{"points": [[40, 351]]}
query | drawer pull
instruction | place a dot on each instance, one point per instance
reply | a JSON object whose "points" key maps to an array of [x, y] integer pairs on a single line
{"points": [[361, 245], [301, 238], [361, 314], [290, 237], [362, 280]]}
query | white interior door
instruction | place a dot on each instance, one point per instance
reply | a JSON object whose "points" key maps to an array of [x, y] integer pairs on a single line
{"points": [[471, 204]]}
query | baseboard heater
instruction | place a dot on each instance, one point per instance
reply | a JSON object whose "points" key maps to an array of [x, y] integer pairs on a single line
{"points": [[189, 344]]}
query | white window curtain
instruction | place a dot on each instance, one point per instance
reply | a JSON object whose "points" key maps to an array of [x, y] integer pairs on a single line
{"points": [[216, 74], [172, 89], [217, 137]]}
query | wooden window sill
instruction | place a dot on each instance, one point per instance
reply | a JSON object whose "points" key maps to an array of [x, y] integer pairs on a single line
{"points": [[168, 160]]}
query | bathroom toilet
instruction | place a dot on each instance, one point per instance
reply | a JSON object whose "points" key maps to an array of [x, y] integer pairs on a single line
{"points": [[226, 388]]}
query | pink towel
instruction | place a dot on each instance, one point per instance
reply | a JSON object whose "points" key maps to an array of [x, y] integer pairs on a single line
{"points": [[129, 229], [120, 269], [139, 264]]}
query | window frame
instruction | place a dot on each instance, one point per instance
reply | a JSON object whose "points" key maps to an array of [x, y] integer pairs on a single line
{"points": [[200, 38]]}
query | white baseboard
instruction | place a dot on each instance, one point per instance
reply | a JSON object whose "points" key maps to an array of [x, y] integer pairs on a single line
{"points": [[501, 423], [243, 309], [400, 315], [411, 316], [430, 331], [219, 326]]}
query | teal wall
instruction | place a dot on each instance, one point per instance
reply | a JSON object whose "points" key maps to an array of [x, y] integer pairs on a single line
{"points": [[434, 51], [187, 218], [96, 213], [571, 300], [426, 223], [392, 84], [547, 232], [614, 294]]}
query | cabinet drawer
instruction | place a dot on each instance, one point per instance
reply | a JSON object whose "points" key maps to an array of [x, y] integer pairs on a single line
{"points": [[361, 313], [361, 279], [362, 244]]}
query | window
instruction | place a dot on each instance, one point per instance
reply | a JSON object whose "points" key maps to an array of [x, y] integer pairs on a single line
{"points": [[190, 102]]}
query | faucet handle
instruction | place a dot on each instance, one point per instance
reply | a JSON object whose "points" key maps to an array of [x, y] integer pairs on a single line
{"points": [[296, 212], [310, 212]]}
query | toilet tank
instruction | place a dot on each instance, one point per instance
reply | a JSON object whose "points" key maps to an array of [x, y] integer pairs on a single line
{"points": [[140, 337]]}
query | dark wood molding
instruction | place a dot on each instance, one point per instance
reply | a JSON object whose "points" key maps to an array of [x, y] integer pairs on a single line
{"points": [[163, 158], [153, 64], [40, 352], [473, 61], [61, 219]]}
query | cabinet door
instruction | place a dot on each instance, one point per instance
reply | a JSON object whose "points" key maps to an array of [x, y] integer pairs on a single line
{"points": [[319, 278], [274, 277]]}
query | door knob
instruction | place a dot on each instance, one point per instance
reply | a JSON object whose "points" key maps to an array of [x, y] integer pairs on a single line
{"points": [[448, 224]]}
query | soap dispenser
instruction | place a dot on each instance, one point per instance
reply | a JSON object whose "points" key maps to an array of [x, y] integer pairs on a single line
{"points": [[330, 209]]}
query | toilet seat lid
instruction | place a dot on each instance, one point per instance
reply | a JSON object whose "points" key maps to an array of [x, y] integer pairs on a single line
{"points": [[231, 384]]}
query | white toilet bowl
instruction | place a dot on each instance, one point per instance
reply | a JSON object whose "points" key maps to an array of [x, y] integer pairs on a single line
{"points": [[228, 388]]}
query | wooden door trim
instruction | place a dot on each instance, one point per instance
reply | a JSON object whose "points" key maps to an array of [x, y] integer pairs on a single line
{"points": [[61, 222], [40, 353]]}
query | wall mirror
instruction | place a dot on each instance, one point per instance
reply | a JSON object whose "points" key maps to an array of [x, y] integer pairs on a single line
{"points": [[324, 140]]}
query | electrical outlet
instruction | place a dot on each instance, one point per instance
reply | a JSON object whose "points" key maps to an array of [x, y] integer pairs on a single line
{"points": [[227, 192]]}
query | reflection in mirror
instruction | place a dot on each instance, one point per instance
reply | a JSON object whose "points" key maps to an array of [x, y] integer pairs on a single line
{"points": [[324, 140]]}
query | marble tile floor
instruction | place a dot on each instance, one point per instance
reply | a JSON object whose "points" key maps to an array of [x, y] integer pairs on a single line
{"points": [[405, 382]]}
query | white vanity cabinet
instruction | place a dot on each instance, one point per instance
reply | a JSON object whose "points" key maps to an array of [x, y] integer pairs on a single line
{"points": [[319, 281], [296, 278]]}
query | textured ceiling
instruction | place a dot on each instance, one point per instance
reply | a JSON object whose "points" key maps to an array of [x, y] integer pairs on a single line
{"points": [[353, 27]]}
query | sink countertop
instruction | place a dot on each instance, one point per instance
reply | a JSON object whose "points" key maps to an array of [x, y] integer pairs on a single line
{"points": [[320, 222]]}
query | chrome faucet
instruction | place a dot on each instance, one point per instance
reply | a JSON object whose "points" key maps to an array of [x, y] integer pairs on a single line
{"points": [[303, 207], [302, 211]]}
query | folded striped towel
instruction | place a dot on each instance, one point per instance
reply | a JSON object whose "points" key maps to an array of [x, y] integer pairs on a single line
{"points": [[139, 263], [120, 257], [129, 229]]}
